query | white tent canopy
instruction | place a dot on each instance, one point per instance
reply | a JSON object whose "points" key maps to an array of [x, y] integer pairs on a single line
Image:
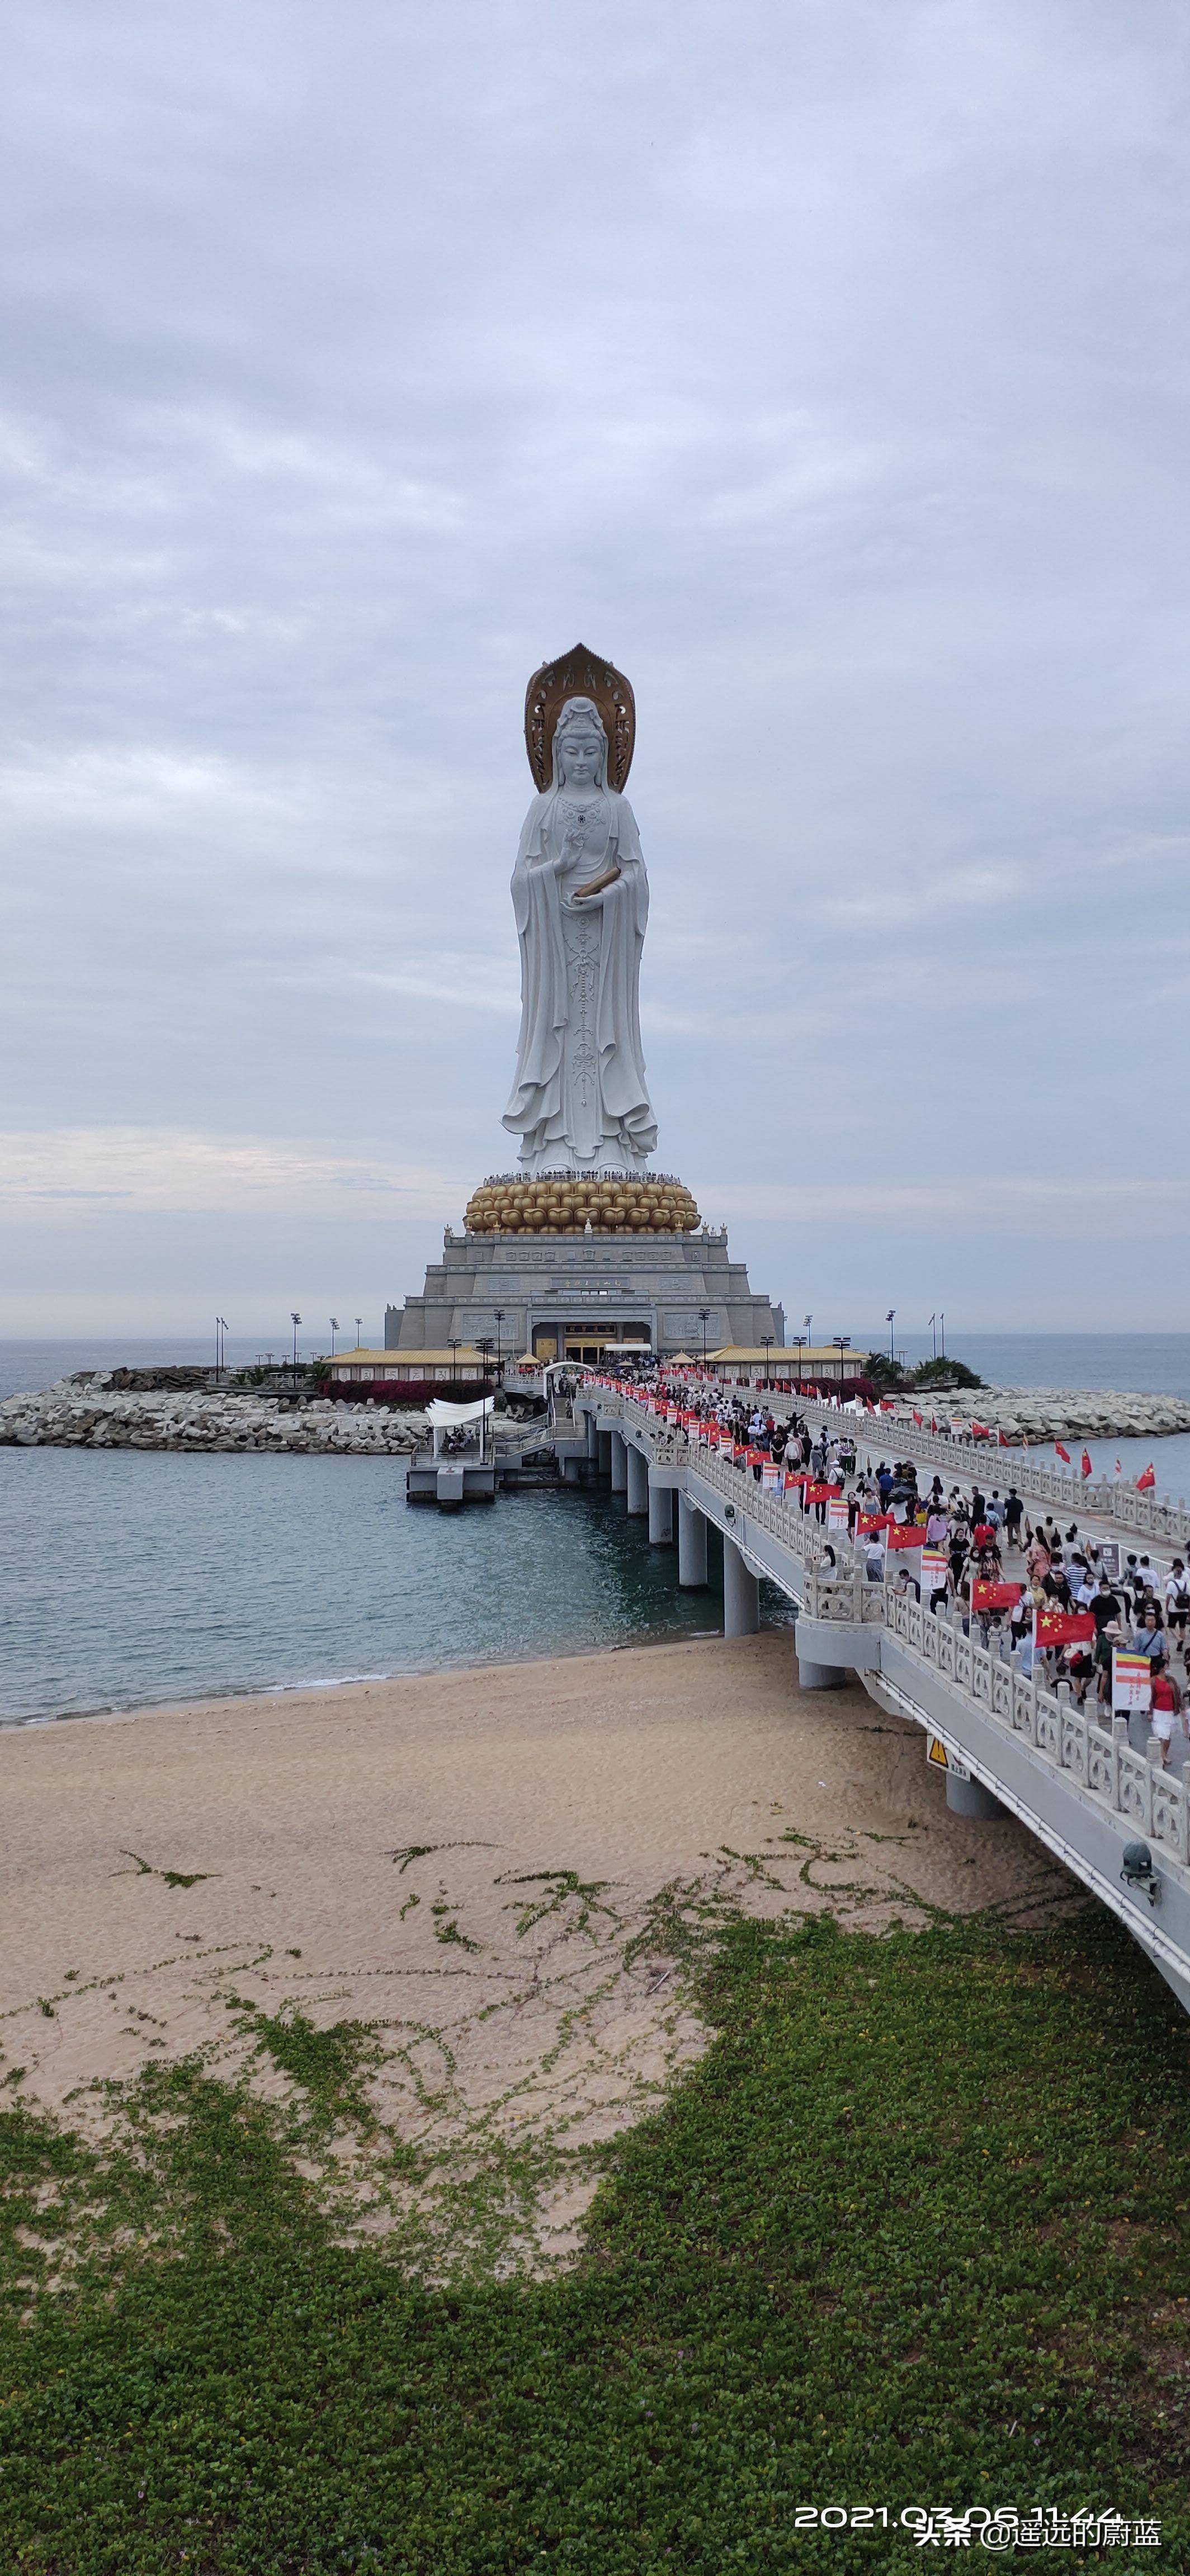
{"points": [[445, 1417]]}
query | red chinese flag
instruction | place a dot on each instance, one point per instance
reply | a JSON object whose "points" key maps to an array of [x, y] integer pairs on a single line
{"points": [[1063, 1628], [739, 1452], [820, 1493], [1085, 1462], [916, 1416], [1145, 1483], [871, 1521], [796, 1476], [1002, 1440], [1062, 1453], [995, 1596], [899, 1536], [933, 1424], [756, 1457], [980, 1431]]}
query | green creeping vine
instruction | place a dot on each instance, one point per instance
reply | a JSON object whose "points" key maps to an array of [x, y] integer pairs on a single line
{"points": [[914, 2230]]}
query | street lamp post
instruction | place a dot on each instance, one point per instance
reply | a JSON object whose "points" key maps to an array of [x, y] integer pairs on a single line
{"points": [[799, 1344], [484, 1348], [453, 1348], [766, 1343], [295, 1320], [841, 1343], [335, 1327], [704, 1317], [359, 1332], [934, 1330], [499, 1354], [889, 1321]]}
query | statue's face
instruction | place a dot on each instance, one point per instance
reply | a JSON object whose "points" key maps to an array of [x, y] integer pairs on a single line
{"points": [[579, 759]]}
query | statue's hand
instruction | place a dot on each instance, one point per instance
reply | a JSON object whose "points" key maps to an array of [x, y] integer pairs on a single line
{"points": [[597, 884]]}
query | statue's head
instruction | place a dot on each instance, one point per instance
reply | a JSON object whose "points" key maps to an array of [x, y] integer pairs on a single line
{"points": [[580, 745]]}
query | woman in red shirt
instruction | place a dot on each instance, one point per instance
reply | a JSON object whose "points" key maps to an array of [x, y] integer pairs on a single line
{"points": [[1165, 1706]]}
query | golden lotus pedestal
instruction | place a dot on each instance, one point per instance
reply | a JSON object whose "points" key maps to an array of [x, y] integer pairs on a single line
{"points": [[569, 1267], [568, 1205]]}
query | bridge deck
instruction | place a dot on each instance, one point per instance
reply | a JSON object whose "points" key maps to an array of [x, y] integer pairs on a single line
{"points": [[1076, 1782]]}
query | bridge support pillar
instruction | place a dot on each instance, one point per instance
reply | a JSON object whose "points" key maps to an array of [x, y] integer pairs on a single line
{"points": [[970, 1798], [605, 1453], [818, 1676], [741, 1594], [592, 1437], [638, 1483], [692, 1547], [619, 1462], [661, 1515]]}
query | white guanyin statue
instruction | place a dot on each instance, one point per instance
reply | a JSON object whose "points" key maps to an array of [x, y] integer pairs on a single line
{"points": [[580, 895]]}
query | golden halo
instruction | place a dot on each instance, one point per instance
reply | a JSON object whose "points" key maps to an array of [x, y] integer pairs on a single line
{"points": [[579, 674]]}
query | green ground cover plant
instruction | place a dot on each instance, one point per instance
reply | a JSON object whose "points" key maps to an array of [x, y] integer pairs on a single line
{"points": [[913, 2231]]}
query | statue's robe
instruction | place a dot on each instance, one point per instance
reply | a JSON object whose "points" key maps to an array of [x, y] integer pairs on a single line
{"points": [[542, 1109]]}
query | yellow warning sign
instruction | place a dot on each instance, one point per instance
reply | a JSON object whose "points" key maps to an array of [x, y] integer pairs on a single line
{"points": [[936, 1752]]}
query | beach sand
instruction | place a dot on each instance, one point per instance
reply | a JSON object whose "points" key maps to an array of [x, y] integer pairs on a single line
{"points": [[472, 1865]]}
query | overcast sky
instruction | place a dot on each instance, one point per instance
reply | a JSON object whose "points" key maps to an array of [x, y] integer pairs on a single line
{"points": [[822, 362]]}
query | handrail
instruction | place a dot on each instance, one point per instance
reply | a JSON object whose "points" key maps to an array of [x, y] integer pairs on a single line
{"points": [[1140, 1515], [1105, 1764], [1098, 1761]]}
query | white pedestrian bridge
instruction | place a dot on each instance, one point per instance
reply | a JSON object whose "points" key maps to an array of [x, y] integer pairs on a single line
{"points": [[1091, 1794]]}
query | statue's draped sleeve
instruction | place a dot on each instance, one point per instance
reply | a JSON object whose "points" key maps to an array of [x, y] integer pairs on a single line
{"points": [[625, 916], [536, 1090]]}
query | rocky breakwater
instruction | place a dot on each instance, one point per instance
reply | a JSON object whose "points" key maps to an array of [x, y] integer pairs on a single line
{"points": [[90, 1413], [1047, 1413]]}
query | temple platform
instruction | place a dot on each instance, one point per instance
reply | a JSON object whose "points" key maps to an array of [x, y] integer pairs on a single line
{"points": [[570, 1295]]}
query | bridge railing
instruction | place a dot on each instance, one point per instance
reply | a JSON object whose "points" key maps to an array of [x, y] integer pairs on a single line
{"points": [[1090, 1755], [1097, 1758], [837, 1591], [1141, 1515]]}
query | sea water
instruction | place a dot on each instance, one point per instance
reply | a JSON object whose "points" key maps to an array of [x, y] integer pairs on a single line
{"points": [[136, 1576]]}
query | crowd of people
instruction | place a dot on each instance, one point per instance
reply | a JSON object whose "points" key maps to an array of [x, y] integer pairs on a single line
{"points": [[1007, 1571]]}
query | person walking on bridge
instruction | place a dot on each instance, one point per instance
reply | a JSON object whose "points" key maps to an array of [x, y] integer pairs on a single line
{"points": [[1166, 1707], [1177, 1602]]}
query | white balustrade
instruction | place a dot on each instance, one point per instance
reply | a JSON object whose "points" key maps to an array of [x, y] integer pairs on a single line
{"points": [[1140, 1515], [1074, 1744]]}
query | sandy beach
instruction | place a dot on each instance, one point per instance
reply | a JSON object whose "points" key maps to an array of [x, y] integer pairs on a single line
{"points": [[471, 1865]]}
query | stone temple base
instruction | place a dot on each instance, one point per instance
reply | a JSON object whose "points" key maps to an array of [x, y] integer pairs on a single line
{"points": [[567, 1293]]}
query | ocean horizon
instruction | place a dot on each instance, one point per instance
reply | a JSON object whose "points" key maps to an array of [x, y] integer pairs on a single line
{"points": [[1126, 1363]]}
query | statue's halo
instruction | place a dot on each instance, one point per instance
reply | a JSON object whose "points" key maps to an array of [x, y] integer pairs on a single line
{"points": [[579, 674]]}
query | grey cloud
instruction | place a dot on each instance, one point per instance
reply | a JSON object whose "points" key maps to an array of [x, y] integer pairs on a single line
{"points": [[827, 366]]}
